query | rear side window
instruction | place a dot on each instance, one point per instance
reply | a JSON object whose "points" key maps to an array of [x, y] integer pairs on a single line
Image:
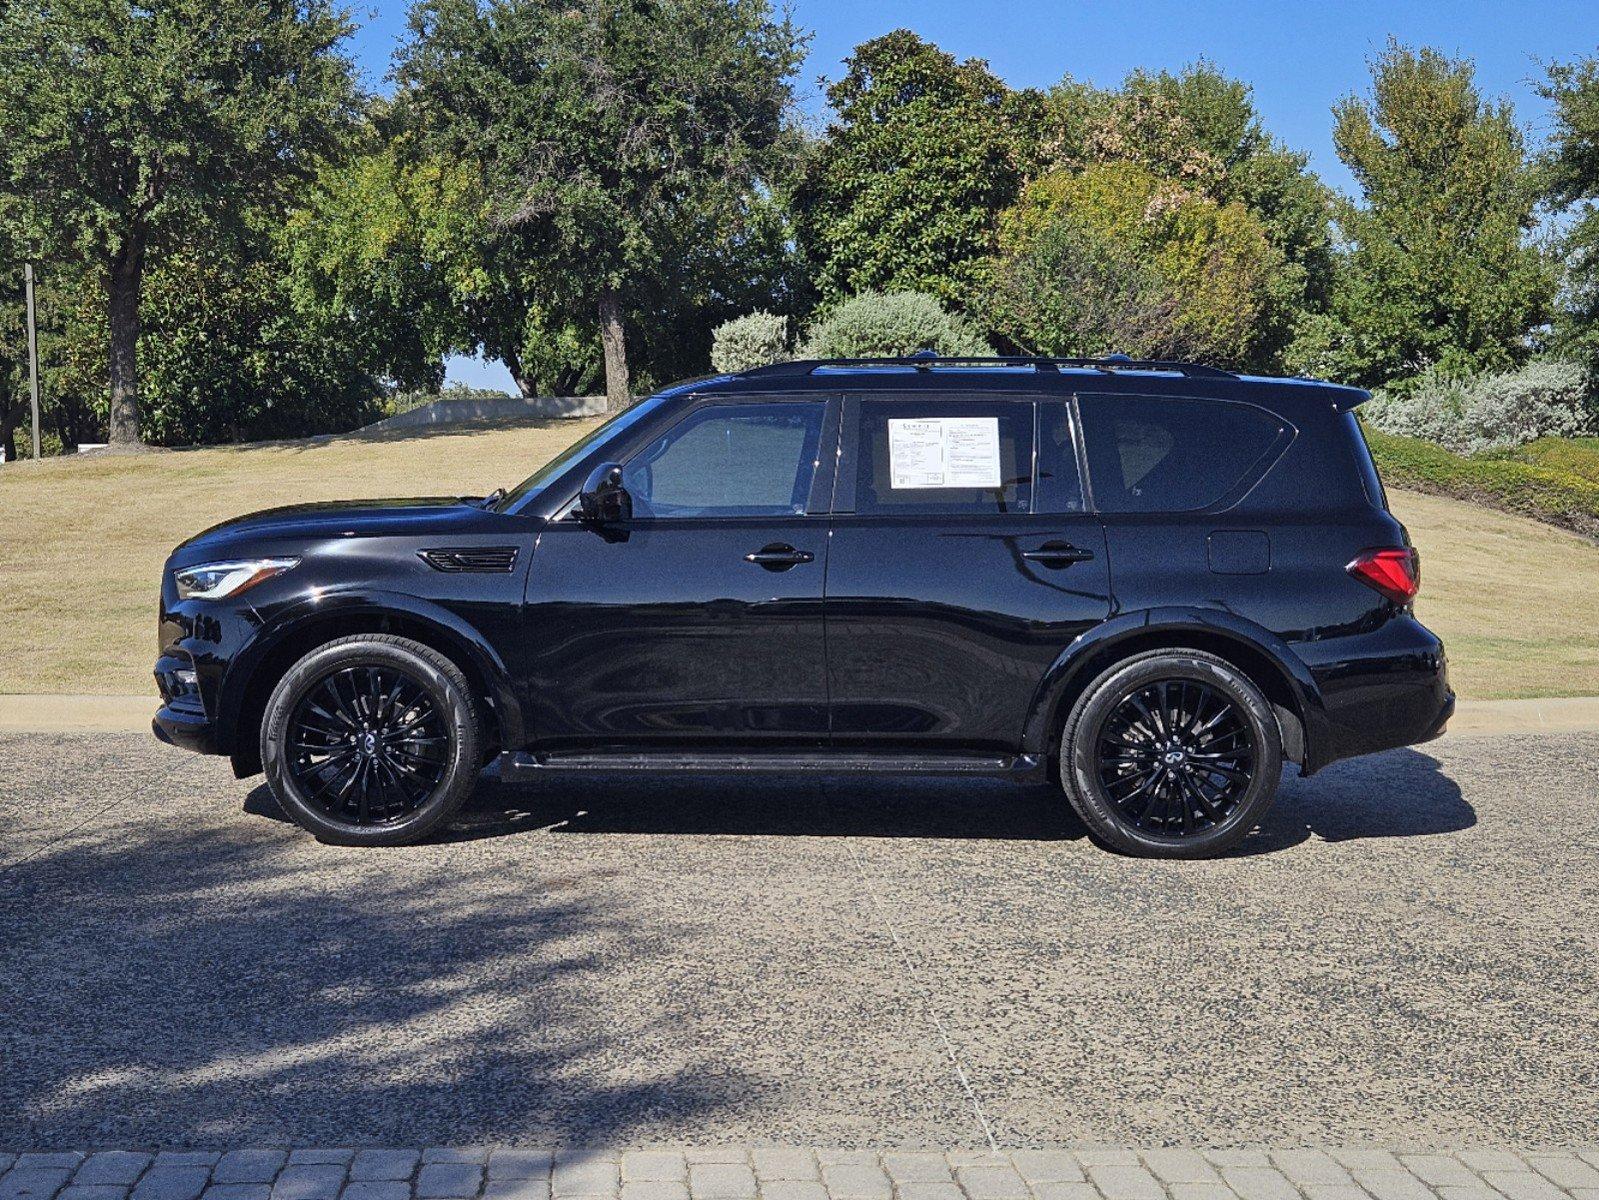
{"points": [[945, 457], [1160, 455]]}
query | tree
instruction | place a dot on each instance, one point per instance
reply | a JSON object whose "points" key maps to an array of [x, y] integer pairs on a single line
{"points": [[1114, 258], [233, 354], [1199, 130], [128, 129], [1570, 174], [904, 191], [1439, 271], [605, 133]]}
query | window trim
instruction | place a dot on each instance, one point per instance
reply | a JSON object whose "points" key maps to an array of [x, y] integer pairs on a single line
{"points": [[849, 447], [1256, 471], [818, 499]]}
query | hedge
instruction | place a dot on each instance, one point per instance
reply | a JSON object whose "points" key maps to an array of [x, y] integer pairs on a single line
{"points": [[1578, 456], [1545, 493]]}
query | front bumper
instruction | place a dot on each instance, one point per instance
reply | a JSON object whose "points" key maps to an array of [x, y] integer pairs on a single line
{"points": [[199, 641], [188, 730]]}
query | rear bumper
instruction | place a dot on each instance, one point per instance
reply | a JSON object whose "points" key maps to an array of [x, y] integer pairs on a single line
{"points": [[1380, 690]]}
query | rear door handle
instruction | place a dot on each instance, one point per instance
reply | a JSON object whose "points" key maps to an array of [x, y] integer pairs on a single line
{"points": [[1057, 554], [779, 556]]}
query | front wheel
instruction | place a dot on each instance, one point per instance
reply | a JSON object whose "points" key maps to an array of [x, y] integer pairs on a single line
{"points": [[1172, 754], [371, 740]]}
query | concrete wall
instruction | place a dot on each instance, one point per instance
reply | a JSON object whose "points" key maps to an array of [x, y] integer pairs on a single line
{"points": [[510, 408]]}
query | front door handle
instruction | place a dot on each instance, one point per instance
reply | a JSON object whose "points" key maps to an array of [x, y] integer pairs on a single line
{"points": [[779, 556], [1057, 554]]}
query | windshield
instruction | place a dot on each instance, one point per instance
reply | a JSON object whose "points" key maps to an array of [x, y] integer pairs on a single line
{"points": [[557, 465]]}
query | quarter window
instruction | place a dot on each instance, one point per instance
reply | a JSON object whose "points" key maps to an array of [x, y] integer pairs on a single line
{"points": [[730, 460], [1149, 455], [948, 457]]}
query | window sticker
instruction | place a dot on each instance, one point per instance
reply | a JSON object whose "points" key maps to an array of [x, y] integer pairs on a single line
{"points": [[943, 452]]}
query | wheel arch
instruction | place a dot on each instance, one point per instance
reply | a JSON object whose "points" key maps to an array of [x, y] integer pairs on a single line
{"points": [[293, 634], [1260, 654]]}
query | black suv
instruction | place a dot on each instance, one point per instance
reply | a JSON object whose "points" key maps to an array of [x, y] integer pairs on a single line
{"points": [[1155, 580]]}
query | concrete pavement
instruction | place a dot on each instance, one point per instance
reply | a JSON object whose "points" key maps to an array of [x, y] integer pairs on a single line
{"points": [[1404, 954]]}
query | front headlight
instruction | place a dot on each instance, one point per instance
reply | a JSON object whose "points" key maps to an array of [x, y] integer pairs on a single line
{"points": [[219, 580]]}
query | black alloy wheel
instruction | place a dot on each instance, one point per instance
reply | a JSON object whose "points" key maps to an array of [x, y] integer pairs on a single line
{"points": [[1171, 754], [368, 745], [372, 739], [1175, 757]]}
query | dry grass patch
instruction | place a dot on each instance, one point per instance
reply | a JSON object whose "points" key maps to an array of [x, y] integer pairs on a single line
{"points": [[1516, 601], [82, 541]]}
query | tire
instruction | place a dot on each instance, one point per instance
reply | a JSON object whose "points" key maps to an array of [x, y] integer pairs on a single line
{"points": [[397, 706], [1171, 754]]}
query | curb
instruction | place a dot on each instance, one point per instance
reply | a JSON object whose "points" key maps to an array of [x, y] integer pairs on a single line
{"points": [[23, 713]]}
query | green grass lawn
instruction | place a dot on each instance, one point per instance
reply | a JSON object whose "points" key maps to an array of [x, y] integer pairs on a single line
{"points": [[82, 541]]}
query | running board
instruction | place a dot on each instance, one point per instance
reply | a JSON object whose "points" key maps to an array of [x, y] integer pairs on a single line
{"points": [[1024, 767]]}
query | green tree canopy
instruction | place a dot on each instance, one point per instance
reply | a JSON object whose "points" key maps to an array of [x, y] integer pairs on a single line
{"points": [[1439, 271], [607, 136], [1199, 129], [903, 191], [1570, 170], [127, 129], [1115, 258]]}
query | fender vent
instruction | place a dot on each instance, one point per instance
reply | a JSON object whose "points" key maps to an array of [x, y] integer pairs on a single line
{"points": [[483, 560]]}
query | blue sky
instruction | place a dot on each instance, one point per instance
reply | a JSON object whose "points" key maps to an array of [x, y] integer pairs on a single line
{"points": [[1299, 57]]}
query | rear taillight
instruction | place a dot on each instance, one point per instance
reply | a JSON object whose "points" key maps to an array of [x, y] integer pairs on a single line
{"points": [[1394, 573]]}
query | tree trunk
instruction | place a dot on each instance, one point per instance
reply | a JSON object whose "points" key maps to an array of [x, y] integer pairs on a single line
{"points": [[618, 393], [8, 429], [125, 283], [513, 364]]}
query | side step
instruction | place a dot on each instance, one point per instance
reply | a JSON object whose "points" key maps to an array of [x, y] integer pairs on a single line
{"points": [[1024, 767]]}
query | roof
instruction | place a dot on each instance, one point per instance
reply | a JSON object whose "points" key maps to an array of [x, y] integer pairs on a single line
{"points": [[927, 372]]}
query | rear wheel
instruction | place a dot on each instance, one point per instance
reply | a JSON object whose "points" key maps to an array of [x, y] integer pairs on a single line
{"points": [[371, 740], [1172, 754]]}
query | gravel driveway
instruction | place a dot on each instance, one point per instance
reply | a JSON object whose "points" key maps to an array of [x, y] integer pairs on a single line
{"points": [[1405, 954]]}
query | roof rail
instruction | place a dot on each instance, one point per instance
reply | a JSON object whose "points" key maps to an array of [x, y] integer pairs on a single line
{"points": [[928, 362]]}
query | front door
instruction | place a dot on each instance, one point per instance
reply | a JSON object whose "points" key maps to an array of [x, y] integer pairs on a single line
{"points": [[700, 618], [962, 564]]}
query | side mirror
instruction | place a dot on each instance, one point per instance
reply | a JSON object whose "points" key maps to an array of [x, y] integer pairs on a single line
{"points": [[603, 499]]}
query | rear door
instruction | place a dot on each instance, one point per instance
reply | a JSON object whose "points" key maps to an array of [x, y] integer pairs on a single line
{"points": [[962, 562]]}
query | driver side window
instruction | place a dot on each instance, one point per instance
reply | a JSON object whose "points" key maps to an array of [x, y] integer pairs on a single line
{"points": [[730, 460]]}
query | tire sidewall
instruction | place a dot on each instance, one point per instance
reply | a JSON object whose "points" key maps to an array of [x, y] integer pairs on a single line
{"points": [[434, 674], [1101, 699]]}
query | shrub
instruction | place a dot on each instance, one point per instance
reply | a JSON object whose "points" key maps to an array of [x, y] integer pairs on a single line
{"points": [[893, 324], [750, 341], [1579, 456], [1545, 398], [1559, 497]]}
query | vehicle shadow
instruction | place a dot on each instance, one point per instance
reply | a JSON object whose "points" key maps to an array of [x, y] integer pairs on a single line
{"points": [[1401, 793], [754, 806], [1396, 794]]}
